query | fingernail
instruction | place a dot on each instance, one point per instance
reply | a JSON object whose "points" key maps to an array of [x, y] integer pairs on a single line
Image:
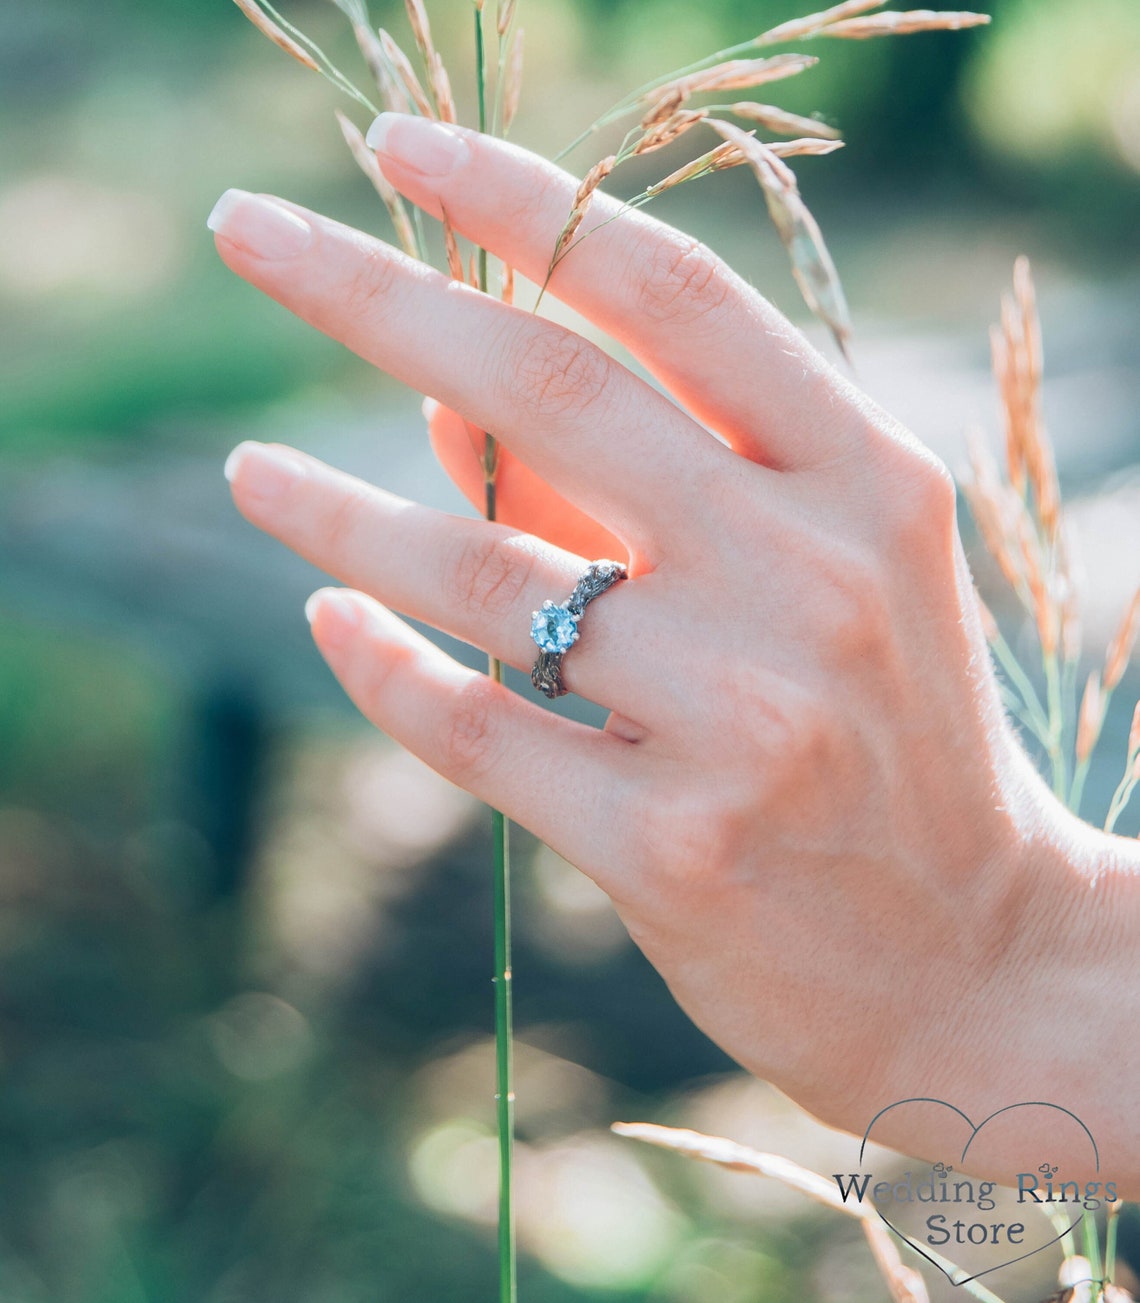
{"points": [[433, 149], [260, 225], [265, 472], [339, 614]]}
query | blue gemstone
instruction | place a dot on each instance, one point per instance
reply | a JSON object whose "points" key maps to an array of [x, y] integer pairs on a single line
{"points": [[553, 628]]}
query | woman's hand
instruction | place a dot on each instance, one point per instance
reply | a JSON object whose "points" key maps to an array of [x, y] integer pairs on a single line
{"points": [[806, 805]]}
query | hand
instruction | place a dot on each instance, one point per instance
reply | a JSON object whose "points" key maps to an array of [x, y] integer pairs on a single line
{"points": [[806, 804]]}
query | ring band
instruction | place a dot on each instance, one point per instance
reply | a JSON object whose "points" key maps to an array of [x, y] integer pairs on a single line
{"points": [[554, 627]]}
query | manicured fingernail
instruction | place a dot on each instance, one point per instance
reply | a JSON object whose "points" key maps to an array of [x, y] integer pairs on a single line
{"points": [[433, 149], [339, 613], [265, 472], [260, 225]]}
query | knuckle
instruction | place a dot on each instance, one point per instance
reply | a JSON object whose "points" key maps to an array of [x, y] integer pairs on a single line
{"points": [[926, 504], [683, 283], [700, 840], [856, 619], [471, 741], [556, 374], [490, 578], [369, 286]]}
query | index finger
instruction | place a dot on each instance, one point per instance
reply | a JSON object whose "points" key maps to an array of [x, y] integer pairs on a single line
{"points": [[718, 346]]}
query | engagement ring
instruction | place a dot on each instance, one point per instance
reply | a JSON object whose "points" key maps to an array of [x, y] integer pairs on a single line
{"points": [[554, 627]]}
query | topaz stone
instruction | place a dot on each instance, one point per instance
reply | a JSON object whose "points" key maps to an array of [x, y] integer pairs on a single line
{"points": [[554, 628]]}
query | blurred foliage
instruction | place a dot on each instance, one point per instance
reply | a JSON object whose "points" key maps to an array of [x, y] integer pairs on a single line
{"points": [[228, 1021], [119, 125]]}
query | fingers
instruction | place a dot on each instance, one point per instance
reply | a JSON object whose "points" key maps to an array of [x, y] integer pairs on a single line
{"points": [[479, 582], [618, 449], [522, 498], [562, 780], [716, 344]]}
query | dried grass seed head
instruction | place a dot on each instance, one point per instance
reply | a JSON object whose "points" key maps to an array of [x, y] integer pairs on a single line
{"points": [[366, 160], [804, 147], [781, 121], [903, 24], [1090, 717], [669, 129], [812, 266], [589, 183], [512, 79], [725, 155], [1122, 645], [395, 98], [267, 27], [737, 74], [406, 73], [798, 28]]}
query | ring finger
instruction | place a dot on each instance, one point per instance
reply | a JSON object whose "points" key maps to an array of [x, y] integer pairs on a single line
{"points": [[477, 581]]}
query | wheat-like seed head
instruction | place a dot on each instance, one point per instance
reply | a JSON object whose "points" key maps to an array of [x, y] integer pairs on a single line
{"points": [[1090, 718], [454, 257], [1123, 641], [421, 27], [504, 17], [507, 284], [393, 95], [725, 155], [512, 79], [366, 161], [781, 121], [799, 28], [812, 266], [669, 129], [589, 183], [904, 1283], [440, 84], [663, 107], [406, 73], [804, 147], [904, 24], [267, 27], [735, 74]]}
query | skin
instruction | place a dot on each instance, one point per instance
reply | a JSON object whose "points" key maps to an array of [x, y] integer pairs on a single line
{"points": [[807, 805]]}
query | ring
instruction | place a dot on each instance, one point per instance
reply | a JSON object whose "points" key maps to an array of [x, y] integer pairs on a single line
{"points": [[554, 627]]}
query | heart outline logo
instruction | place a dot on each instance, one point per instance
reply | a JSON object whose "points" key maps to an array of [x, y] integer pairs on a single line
{"points": [[974, 1130]]}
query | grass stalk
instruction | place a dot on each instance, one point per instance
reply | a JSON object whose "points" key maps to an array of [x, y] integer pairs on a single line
{"points": [[501, 839], [1111, 1221], [1056, 726], [327, 68]]}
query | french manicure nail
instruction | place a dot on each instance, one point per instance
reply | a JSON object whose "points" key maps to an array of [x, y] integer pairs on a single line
{"points": [[433, 149], [265, 472], [260, 225], [340, 616]]}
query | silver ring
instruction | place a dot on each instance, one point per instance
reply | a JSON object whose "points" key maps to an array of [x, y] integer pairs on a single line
{"points": [[554, 626]]}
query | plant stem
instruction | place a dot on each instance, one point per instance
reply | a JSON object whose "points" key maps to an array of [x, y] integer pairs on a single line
{"points": [[1092, 1248], [500, 835], [630, 101], [1056, 725], [1110, 1242]]}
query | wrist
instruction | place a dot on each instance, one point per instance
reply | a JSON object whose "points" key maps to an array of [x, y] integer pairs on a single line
{"points": [[1051, 1015]]}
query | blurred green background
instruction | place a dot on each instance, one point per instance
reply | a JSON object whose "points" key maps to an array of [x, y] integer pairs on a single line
{"points": [[245, 942]]}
